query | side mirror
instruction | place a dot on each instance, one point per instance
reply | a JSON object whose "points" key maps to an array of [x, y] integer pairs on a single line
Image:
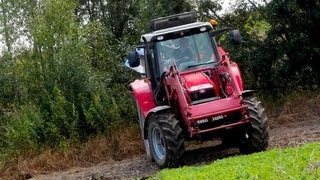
{"points": [[235, 37], [134, 60], [219, 31]]}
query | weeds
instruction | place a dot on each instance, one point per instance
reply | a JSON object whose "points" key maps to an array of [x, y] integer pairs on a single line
{"points": [[297, 106], [123, 143]]}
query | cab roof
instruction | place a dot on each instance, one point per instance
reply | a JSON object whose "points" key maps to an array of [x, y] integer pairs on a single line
{"points": [[150, 35]]}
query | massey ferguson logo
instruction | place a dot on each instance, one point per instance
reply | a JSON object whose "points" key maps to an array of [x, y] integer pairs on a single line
{"points": [[216, 118]]}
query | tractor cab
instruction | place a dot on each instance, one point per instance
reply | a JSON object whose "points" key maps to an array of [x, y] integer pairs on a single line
{"points": [[188, 50], [179, 42], [186, 47]]}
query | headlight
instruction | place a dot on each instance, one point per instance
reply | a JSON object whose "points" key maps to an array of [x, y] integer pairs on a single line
{"points": [[202, 91]]}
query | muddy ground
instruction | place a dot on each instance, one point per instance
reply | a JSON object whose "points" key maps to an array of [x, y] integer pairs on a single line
{"points": [[281, 135]]}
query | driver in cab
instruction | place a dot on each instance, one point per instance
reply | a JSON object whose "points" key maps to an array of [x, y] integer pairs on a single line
{"points": [[184, 52]]}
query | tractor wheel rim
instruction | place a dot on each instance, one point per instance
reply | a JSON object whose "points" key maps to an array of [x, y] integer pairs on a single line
{"points": [[158, 144]]}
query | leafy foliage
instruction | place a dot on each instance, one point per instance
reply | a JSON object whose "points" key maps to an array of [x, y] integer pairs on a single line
{"points": [[280, 51], [61, 88]]}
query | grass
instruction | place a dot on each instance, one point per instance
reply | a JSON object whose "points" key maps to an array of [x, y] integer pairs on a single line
{"points": [[292, 163]]}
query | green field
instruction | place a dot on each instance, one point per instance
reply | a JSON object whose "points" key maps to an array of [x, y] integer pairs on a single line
{"points": [[292, 163]]}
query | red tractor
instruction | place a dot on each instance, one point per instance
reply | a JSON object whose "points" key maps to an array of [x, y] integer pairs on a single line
{"points": [[190, 89]]}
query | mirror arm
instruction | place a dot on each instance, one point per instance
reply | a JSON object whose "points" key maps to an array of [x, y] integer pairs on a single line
{"points": [[140, 46], [219, 31]]}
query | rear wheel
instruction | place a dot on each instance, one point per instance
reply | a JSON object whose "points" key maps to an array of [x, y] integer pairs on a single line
{"points": [[255, 139], [165, 139]]}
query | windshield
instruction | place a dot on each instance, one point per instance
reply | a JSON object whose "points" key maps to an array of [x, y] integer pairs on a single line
{"points": [[188, 52]]}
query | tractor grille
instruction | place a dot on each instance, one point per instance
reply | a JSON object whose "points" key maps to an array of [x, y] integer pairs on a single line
{"points": [[228, 119], [206, 94]]}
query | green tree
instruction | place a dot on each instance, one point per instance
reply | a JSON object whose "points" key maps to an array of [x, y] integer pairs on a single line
{"points": [[294, 33]]}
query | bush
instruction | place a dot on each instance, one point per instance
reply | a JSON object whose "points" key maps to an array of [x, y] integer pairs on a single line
{"points": [[20, 132], [68, 87]]}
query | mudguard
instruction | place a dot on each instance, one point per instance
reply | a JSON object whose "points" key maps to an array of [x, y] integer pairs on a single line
{"points": [[143, 96], [157, 109], [142, 93], [236, 71], [247, 93], [234, 68]]}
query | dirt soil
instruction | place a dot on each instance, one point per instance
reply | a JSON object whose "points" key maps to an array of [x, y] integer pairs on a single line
{"points": [[281, 135]]}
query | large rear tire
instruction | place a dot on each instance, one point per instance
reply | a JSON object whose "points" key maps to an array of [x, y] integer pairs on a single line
{"points": [[255, 139], [166, 139]]}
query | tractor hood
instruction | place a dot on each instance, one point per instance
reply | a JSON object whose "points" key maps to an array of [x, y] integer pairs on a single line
{"points": [[197, 81], [200, 87]]}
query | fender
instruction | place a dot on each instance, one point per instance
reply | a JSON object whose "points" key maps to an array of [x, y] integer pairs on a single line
{"points": [[234, 68], [236, 71], [157, 109], [152, 111], [247, 93], [142, 93]]}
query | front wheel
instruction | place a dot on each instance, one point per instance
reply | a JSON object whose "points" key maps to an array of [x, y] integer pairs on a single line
{"points": [[165, 139], [255, 139]]}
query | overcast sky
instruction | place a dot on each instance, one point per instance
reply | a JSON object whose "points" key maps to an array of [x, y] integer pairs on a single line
{"points": [[226, 4]]}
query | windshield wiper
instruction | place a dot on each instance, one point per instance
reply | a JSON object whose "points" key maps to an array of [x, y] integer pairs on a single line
{"points": [[195, 65]]}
